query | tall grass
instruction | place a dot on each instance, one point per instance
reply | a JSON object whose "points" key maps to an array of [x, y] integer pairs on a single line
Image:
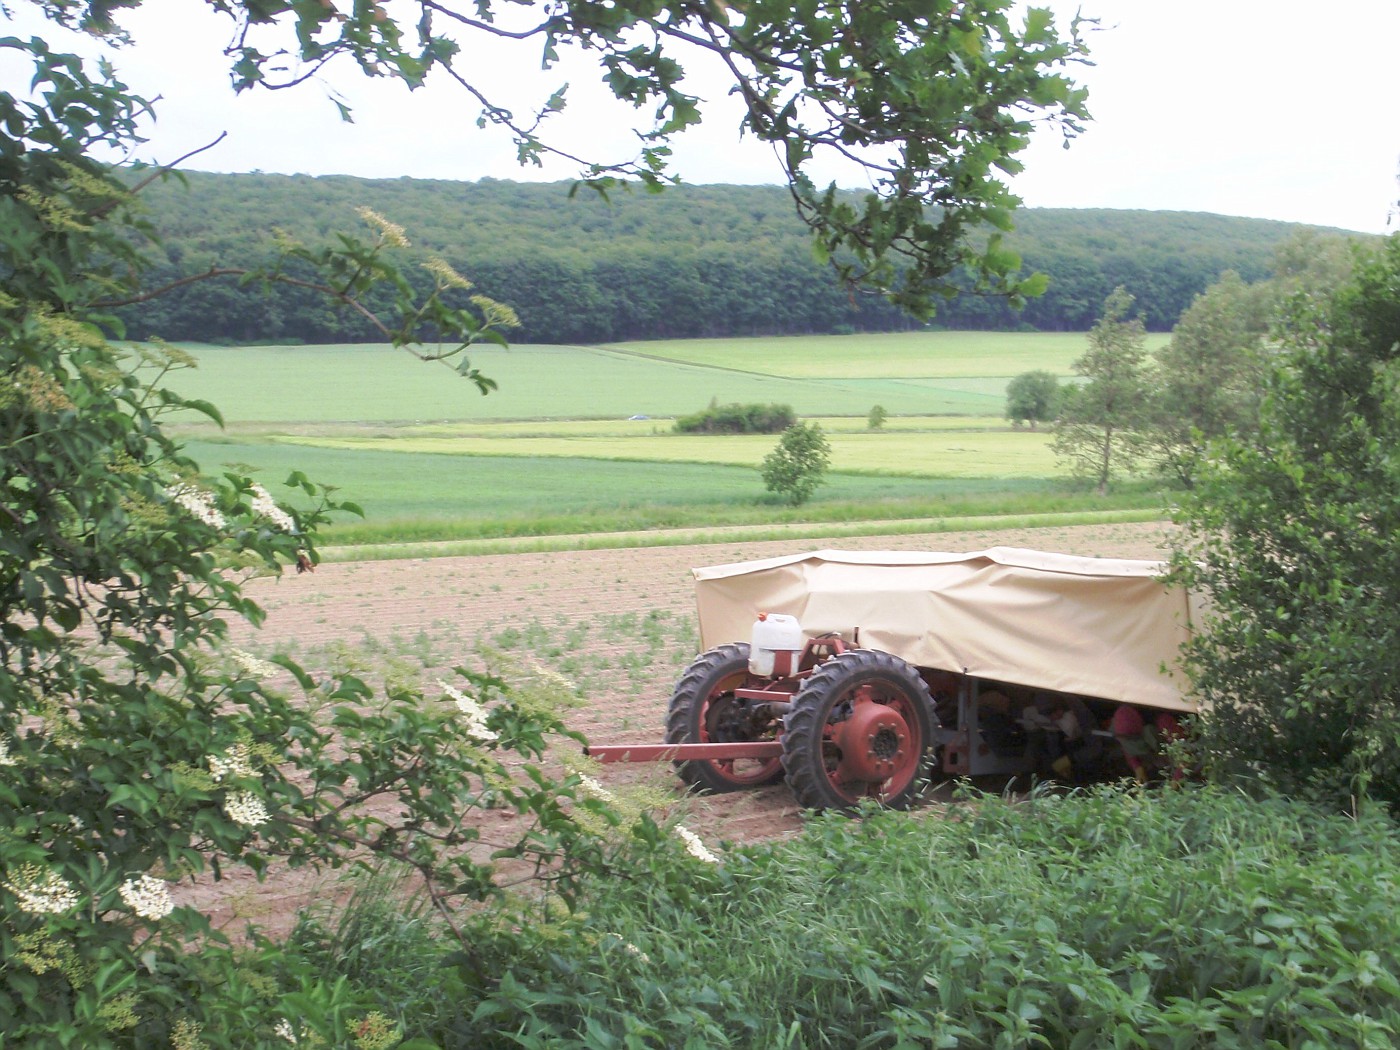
{"points": [[1187, 919]]}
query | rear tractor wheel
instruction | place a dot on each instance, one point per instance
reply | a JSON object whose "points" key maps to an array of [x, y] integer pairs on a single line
{"points": [[861, 727], [704, 710]]}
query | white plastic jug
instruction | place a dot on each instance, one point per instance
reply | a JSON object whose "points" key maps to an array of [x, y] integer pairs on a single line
{"points": [[776, 644]]}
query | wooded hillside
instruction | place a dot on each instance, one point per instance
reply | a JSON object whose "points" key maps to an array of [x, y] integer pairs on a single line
{"points": [[691, 262]]}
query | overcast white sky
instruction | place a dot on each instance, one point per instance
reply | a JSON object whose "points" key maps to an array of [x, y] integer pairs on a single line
{"points": [[1274, 109]]}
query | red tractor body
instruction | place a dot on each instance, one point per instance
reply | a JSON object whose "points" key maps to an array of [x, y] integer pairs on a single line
{"points": [[853, 673]]}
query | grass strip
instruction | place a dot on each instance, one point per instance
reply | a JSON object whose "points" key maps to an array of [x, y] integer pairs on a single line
{"points": [[725, 534]]}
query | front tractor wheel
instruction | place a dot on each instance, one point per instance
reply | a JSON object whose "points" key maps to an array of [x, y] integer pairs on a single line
{"points": [[860, 728], [704, 710]]}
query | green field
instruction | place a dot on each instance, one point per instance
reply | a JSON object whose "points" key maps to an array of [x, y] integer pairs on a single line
{"points": [[926, 373], [933, 453], [893, 355], [555, 449]]}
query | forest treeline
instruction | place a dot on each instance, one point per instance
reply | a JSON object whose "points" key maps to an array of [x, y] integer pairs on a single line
{"points": [[695, 261]]}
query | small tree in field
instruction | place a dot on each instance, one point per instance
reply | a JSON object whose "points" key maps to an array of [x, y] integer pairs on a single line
{"points": [[798, 465], [1032, 397], [876, 419], [1099, 422]]}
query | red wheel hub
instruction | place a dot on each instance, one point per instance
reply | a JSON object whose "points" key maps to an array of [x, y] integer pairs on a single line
{"points": [[874, 742]]}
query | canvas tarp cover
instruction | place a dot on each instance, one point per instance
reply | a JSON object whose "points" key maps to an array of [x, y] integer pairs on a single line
{"points": [[1089, 626]]}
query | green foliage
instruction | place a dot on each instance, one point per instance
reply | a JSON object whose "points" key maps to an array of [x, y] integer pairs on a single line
{"points": [[1099, 423], [737, 419], [1209, 380], [1313, 263], [695, 261], [850, 83], [944, 140], [1032, 397], [1291, 537], [797, 466], [875, 418], [138, 750], [1180, 920]]}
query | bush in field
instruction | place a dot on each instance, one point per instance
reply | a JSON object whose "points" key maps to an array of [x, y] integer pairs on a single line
{"points": [[1033, 397], [738, 419], [798, 464], [875, 419], [1181, 920]]}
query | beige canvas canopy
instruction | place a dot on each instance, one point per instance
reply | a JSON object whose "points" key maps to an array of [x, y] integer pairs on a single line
{"points": [[1105, 628]]}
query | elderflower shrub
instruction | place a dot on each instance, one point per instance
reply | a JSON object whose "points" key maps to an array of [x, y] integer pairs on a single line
{"points": [[137, 753]]}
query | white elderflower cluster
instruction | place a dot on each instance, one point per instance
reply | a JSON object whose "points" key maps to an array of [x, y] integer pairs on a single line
{"points": [[251, 666], [266, 506], [390, 232], [595, 789], [474, 715], [235, 762], [198, 502], [42, 892], [285, 1031], [496, 313], [148, 896], [446, 276], [6, 759], [232, 763], [695, 846], [244, 807]]}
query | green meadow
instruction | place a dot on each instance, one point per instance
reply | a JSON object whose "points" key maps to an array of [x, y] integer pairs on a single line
{"points": [[893, 355], [910, 453], [559, 446], [924, 373]]}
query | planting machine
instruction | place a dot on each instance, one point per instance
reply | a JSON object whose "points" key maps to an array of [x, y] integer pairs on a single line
{"points": [[862, 672]]}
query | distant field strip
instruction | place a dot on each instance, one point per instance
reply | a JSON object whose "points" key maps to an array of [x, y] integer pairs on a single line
{"points": [[963, 373], [482, 489], [633, 428], [956, 454], [898, 355], [378, 384]]}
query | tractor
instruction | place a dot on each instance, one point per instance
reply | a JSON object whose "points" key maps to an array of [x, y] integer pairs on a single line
{"points": [[858, 675]]}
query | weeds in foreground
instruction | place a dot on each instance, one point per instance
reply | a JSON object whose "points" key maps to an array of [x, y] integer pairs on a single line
{"points": [[1183, 919]]}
